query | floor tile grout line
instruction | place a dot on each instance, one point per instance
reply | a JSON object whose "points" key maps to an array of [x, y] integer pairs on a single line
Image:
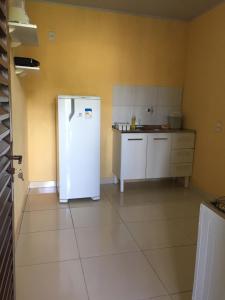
{"points": [[157, 297], [45, 209], [48, 230], [21, 221], [180, 293], [110, 254], [169, 247], [140, 250], [164, 220], [82, 267], [123, 222], [149, 262], [83, 258], [47, 263]]}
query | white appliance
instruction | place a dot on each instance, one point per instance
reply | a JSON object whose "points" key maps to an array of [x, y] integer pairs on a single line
{"points": [[209, 281], [78, 147]]}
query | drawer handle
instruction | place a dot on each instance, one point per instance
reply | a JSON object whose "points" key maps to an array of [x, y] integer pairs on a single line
{"points": [[135, 139], [160, 139]]}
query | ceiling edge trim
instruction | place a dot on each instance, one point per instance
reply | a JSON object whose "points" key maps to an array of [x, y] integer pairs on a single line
{"points": [[122, 12]]}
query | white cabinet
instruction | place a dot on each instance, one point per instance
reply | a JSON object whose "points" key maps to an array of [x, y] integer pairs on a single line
{"points": [[183, 140], [152, 155], [129, 156], [158, 155], [181, 170], [182, 154], [133, 156]]}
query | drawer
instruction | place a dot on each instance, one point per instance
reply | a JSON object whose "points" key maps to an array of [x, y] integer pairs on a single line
{"points": [[183, 140], [182, 156], [181, 170]]}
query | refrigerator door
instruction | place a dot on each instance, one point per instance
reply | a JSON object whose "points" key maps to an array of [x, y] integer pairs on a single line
{"points": [[79, 148]]}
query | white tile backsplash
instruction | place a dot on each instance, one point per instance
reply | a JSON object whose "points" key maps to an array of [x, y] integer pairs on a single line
{"points": [[136, 100], [122, 114], [169, 96], [146, 95], [164, 111], [143, 116], [124, 95]]}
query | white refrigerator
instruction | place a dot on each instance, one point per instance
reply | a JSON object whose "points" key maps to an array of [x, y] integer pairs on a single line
{"points": [[78, 145]]}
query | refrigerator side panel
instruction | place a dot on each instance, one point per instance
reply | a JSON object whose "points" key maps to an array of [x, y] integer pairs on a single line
{"points": [[63, 148]]}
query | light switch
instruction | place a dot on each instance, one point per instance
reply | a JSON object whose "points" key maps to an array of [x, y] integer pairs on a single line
{"points": [[51, 35]]}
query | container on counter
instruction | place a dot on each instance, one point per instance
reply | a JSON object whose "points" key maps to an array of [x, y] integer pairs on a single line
{"points": [[175, 120]]}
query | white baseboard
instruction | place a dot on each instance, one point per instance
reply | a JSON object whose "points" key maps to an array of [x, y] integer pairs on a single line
{"points": [[107, 180], [42, 184], [52, 183]]}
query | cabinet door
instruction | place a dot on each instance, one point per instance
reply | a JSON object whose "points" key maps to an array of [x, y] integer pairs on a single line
{"points": [[133, 163], [158, 155]]}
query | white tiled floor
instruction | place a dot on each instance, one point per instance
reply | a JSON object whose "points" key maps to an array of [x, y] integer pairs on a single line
{"points": [[139, 245], [44, 220], [175, 267]]}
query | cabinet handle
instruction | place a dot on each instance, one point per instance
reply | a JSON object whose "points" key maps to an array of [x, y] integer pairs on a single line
{"points": [[160, 139], [135, 139]]}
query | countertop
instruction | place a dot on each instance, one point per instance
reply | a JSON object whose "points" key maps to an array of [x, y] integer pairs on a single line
{"points": [[154, 129]]}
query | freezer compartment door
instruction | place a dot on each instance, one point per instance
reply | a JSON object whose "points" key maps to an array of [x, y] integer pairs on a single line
{"points": [[79, 148]]}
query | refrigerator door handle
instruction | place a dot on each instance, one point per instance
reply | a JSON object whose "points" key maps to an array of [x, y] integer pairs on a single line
{"points": [[72, 109]]}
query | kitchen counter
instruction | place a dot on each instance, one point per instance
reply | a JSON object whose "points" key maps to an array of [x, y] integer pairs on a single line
{"points": [[154, 129]]}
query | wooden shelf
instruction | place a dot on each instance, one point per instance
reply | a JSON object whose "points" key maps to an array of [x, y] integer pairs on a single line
{"points": [[22, 69], [23, 34]]}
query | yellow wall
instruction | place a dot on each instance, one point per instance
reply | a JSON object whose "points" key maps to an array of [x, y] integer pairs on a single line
{"points": [[19, 123], [93, 51], [204, 98]]}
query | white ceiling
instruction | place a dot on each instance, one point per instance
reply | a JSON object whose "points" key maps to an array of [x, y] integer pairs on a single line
{"points": [[175, 9]]}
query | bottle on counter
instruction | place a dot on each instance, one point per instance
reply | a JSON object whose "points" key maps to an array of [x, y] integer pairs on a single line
{"points": [[133, 123]]}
